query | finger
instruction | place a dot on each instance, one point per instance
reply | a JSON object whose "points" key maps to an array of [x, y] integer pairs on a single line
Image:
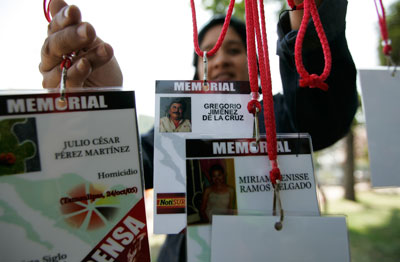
{"points": [[77, 74], [98, 56], [86, 66], [66, 41], [68, 15], [51, 78], [56, 6]]}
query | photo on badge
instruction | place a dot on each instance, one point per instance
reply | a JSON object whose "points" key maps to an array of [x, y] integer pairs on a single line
{"points": [[19, 151], [210, 189], [175, 114]]}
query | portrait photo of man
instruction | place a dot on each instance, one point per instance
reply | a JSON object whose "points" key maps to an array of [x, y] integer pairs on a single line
{"points": [[176, 114]]}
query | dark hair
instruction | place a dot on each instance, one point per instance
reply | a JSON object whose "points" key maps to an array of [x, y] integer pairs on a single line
{"points": [[177, 100], [238, 25], [216, 167]]}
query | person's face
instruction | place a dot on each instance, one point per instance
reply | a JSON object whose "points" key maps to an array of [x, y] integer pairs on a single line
{"points": [[217, 177], [230, 62], [176, 111]]}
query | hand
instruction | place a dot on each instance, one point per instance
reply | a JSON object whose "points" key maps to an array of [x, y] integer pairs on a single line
{"points": [[94, 64], [297, 16]]}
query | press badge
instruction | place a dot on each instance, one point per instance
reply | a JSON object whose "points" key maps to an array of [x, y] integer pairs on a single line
{"points": [[70, 177], [188, 109], [380, 95], [231, 177]]}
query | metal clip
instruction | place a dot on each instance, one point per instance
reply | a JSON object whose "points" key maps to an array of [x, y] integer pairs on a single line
{"points": [[391, 63], [205, 72], [63, 84], [61, 101], [256, 127], [277, 200]]}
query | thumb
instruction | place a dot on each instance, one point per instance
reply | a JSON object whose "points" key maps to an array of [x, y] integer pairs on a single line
{"points": [[56, 6]]}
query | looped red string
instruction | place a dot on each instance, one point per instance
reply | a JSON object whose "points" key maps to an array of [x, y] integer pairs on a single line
{"points": [[46, 9], [67, 62], [310, 9], [294, 6], [253, 33], [221, 37], [387, 48], [275, 173], [252, 105]]}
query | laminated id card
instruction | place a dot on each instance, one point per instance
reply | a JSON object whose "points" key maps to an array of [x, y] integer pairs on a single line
{"points": [[70, 177], [231, 177], [380, 95], [187, 109], [302, 239]]}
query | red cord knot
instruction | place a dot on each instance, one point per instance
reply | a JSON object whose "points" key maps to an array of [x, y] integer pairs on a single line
{"points": [[275, 173], [314, 81], [387, 49], [252, 105], [66, 63]]}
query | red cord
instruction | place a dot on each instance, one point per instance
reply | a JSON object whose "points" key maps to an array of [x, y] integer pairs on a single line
{"points": [[387, 48], [46, 9], [253, 32], [294, 6], [221, 36], [313, 81], [251, 59], [67, 61]]}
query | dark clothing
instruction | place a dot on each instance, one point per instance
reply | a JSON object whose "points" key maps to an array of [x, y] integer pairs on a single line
{"points": [[326, 116]]}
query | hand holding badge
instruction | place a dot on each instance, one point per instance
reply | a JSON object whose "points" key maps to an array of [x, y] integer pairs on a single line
{"points": [[74, 191]]}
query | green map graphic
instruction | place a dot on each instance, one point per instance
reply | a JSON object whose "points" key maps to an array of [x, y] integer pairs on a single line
{"points": [[44, 196], [9, 144]]}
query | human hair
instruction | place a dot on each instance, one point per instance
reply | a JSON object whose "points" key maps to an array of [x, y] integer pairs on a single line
{"points": [[216, 167], [177, 101], [238, 25]]}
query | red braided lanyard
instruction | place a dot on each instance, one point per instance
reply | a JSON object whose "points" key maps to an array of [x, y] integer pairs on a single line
{"points": [[221, 37], [253, 32], [294, 6], [67, 62], [387, 48], [313, 81]]}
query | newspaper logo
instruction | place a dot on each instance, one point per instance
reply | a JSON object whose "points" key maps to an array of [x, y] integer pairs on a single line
{"points": [[171, 203]]}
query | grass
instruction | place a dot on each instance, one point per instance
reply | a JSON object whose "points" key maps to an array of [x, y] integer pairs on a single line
{"points": [[374, 225]]}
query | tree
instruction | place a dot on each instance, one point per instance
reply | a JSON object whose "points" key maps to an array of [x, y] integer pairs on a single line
{"points": [[221, 7]]}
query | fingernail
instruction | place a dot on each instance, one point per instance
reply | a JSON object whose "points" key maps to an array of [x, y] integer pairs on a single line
{"points": [[66, 12], [101, 51], [82, 31]]}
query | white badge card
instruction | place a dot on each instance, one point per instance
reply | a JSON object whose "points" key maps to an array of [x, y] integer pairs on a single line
{"points": [[231, 176], [187, 109], [380, 95], [70, 178], [302, 239]]}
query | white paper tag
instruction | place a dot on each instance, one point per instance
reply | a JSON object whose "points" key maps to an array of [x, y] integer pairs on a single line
{"points": [[302, 239], [231, 176], [219, 111], [72, 188], [380, 95]]}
